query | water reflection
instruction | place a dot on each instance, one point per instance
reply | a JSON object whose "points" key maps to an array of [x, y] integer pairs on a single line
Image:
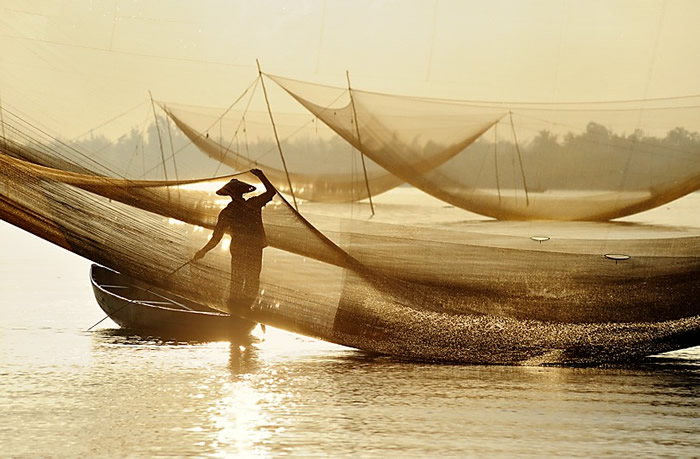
{"points": [[243, 358], [238, 415], [348, 402], [286, 394], [137, 337]]}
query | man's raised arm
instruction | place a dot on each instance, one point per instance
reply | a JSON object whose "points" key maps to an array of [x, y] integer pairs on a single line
{"points": [[269, 188]]}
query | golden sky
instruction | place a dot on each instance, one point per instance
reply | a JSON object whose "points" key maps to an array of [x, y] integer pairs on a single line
{"points": [[70, 65]]}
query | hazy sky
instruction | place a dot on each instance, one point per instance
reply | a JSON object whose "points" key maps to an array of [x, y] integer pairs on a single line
{"points": [[72, 64]]}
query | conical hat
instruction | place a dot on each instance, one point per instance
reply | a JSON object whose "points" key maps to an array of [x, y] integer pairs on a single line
{"points": [[235, 187]]}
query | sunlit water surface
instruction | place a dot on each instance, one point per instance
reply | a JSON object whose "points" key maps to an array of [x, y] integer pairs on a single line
{"points": [[65, 391]]}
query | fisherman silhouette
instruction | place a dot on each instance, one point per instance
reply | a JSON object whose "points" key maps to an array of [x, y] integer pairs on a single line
{"points": [[242, 219]]}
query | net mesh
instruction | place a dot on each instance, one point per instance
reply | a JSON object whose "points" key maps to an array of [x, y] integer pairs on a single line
{"points": [[321, 166], [480, 292], [466, 296], [595, 161]]}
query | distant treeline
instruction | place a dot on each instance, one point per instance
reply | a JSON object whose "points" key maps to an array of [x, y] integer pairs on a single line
{"points": [[138, 154]]}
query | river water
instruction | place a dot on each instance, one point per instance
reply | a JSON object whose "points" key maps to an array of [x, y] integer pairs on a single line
{"points": [[66, 391]]}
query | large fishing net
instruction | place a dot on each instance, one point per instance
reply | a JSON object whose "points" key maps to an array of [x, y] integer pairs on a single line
{"points": [[480, 292], [585, 161], [320, 166], [467, 296], [152, 148]]}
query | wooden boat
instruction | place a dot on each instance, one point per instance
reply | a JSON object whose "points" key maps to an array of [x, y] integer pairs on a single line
{"points": [[153, 311]]}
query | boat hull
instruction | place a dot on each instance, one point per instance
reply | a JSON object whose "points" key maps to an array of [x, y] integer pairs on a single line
{"points": [[136, 307]]}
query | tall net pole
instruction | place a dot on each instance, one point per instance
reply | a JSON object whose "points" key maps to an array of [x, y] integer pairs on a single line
{"points": [[520, 160], [160, 138], [495, 159], [2, 123], [274, 129], [359, 141], [172, 148]]}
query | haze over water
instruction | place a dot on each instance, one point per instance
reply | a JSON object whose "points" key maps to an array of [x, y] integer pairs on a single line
{"points": [[68, 392]]}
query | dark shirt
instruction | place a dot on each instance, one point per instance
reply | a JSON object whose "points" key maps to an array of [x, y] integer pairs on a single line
{"points": [[242, 219]]}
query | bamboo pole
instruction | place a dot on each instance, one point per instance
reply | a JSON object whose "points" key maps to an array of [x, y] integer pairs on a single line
{"points": [[274, 129], [172, 148], [2, 123], [520, 159], [160, 139], [359, 141], [495, 159]]}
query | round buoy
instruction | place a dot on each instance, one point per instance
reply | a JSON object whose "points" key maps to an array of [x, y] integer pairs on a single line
{"points": [[617, 257]]}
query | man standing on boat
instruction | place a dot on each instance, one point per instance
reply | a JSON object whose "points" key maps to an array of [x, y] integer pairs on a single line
{"points": [[242, 219]]}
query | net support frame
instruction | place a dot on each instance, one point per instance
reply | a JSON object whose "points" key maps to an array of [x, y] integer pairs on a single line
{"points": [[277, 139], [495, 159], [520, 159], [2, 123], [359, 141], [160, 139]]}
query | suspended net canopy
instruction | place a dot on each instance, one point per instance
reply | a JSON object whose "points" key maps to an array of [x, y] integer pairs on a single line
{"points": [[319, 165], [490, 296], [588, 161]]}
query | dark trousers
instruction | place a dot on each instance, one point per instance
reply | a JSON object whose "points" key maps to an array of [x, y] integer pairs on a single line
{"points": [[246, 264]]}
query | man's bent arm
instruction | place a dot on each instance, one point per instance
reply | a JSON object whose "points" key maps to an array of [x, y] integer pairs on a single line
{"points": [[214, 241]]}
